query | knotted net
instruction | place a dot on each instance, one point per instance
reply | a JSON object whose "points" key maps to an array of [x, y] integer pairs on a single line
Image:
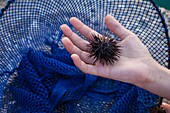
{"points": [[37, 74]]}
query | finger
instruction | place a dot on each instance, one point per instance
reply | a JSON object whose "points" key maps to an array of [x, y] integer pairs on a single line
{"points": [[98, 70], [72, 49], [166, 107], [116, 27], [82, 28], [86, 68], [78, 41]]}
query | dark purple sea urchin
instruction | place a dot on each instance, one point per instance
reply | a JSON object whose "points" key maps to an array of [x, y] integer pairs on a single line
{"points": [[104, 49]]}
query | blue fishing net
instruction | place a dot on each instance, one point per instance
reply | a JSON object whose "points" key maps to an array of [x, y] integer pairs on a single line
{"points": [[37, 74]]}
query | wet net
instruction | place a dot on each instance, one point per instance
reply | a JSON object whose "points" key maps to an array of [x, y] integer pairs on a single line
{"points": [[37, 74]]}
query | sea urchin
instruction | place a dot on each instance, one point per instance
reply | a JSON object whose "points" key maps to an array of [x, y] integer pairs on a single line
{"points": [[103, 49]]}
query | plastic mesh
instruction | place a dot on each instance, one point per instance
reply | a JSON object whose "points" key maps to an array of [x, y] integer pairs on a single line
{"points": [[37, 74]]}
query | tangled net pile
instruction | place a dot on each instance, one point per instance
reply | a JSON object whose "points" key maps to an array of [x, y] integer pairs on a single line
{"points": [[37, 74]]}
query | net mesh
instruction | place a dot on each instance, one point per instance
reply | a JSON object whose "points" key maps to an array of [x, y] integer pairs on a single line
{"points": [[37, 74]]}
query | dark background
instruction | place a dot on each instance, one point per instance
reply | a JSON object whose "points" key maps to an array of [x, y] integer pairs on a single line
{"points": [[163, 3]]}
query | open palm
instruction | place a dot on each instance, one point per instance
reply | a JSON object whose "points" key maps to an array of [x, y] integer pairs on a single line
{"points": [[129, 67]]}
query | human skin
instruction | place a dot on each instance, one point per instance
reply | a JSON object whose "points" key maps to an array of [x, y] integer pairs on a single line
{"points": [[135, 65], [166, 107]]}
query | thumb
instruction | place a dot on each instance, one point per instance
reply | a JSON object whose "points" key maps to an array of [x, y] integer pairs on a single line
{"points": [[166, 107]]}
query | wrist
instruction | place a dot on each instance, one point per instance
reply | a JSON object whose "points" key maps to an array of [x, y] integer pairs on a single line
{"points": [[158, 79]]}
